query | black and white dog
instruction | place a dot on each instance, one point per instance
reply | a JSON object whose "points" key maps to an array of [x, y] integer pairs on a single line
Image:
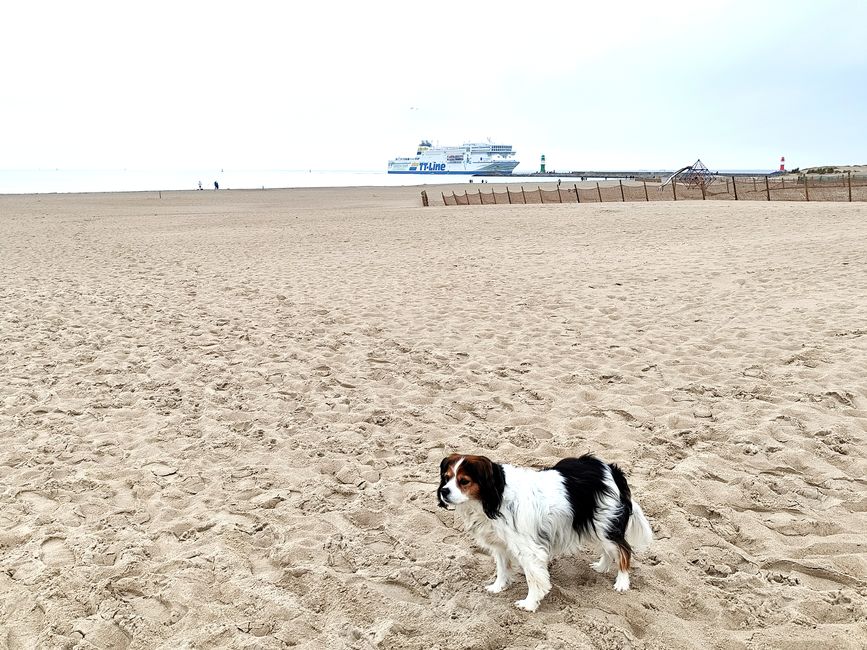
{"points": [[526, 517]]}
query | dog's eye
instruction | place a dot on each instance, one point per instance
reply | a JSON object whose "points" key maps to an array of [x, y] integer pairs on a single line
{"points": [[464, 481]]}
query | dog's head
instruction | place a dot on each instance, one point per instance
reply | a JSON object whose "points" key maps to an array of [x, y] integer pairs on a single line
{"points": [[471, 478]]}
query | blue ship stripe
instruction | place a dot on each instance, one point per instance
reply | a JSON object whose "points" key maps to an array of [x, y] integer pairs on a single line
{"points": [[463, 173]]}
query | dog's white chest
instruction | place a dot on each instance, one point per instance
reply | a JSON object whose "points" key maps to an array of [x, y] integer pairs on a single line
{"points": [[482, 529]]}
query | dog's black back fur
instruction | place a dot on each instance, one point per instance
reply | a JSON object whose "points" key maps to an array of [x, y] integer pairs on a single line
{"points": [[584, 479]]}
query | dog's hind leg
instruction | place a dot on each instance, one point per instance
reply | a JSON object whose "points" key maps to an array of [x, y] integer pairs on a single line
{"points": [[615, 551], [624, 558]]}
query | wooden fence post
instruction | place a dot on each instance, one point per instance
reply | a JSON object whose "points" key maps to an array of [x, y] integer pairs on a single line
{"points": [[467, 197], [674, 189], [598, 191], [850, 186], [768, 188], [622, 197], [424, 198], [559, 196], [523, 195], [735, 187], [454, 196], [577, 196], [646, 198], [444, 198], [541, 199], [509, 195], [494, 195], [702, 191], [755, 189], [480, 197], [728, 191], [806, 187]]}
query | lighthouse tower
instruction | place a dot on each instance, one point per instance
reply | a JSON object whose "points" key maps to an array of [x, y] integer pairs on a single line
{"points": [[782, 163], [542, 165]]}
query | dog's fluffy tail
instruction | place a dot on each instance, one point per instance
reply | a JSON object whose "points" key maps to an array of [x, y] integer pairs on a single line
{"points": [[639, 534]]}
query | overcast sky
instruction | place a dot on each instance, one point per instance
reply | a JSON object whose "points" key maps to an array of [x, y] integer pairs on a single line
{"points": [[285, 85]]}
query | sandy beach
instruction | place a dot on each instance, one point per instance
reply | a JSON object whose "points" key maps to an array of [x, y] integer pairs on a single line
{"points": [[222, 413]]}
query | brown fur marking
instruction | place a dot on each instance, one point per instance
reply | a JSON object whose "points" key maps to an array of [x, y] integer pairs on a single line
{"points": [[625, 559], [472, 489], [450, 465]]}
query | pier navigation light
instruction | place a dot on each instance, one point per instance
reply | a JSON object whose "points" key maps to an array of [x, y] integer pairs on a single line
{"points": [[542, 168], [782, 163]]}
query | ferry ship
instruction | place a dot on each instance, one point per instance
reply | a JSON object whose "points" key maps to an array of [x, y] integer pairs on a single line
{"points": [[474, 158]]}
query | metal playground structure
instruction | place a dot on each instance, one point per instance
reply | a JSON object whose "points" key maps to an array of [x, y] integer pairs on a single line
{"points": [[695, 175]]}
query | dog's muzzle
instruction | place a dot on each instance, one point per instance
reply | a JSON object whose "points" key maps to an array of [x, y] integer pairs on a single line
{"points": [[441, 498]]}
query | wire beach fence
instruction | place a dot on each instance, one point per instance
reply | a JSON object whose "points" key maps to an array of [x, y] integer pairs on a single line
{"points": [[837, 187]]}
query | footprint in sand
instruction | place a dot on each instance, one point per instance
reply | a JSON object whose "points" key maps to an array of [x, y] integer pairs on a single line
{"points": [[101, 634], [161, 469], [40, 503], [55, 552]]}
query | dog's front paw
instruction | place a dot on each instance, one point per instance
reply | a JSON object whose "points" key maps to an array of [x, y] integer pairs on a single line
{"points": [[600, 566], [497, 586], [527, 604]]}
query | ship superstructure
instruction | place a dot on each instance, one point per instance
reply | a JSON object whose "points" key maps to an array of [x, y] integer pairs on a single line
{"points": [[474, 158]]}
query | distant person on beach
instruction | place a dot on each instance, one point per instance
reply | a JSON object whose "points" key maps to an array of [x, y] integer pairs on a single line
{"points": [[200, 184], [216, 185]]}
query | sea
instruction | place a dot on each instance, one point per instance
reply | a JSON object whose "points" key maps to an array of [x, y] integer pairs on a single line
{"points": [[45, 181], [50, 181]]}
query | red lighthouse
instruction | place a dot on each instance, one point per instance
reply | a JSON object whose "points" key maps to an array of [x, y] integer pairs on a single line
{"points": [[782, 163]]}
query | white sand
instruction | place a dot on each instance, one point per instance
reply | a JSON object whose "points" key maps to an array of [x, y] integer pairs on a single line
{"points": [[222, 412]]}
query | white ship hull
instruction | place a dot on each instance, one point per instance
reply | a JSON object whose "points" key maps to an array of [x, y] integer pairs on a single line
{"points": [[468, 159]]}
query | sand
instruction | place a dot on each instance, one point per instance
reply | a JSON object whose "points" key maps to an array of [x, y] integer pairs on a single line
{"points": [[222, 413]]}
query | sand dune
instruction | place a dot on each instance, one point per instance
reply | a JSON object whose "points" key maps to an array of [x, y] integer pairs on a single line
{"points": [[222, 412]]}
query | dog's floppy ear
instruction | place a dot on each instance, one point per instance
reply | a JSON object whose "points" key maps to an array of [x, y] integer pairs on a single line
{"points": [[492, 481]]}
